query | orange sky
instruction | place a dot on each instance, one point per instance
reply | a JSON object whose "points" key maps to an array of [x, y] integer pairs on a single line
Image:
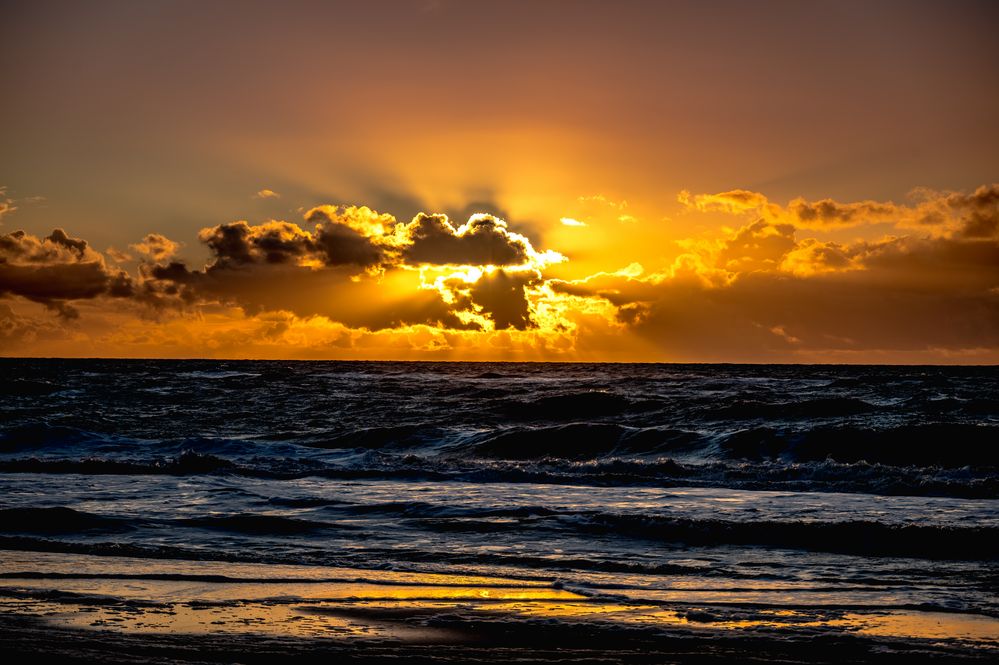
{"points": [[711, 181]]}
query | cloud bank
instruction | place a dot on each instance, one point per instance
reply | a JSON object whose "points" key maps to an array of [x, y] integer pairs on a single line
{"points": [[352, 282]]}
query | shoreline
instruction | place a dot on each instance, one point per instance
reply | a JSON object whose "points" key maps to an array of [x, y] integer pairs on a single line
{"points": [[83, 608]]}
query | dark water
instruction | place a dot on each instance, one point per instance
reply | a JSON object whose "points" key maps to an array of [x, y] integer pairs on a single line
{"points": [[771, 485]]}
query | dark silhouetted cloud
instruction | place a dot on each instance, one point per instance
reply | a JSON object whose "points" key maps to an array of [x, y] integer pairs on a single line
{"points": [[56, 269], [483, 240]]}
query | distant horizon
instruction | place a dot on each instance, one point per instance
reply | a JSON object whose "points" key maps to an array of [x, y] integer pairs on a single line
{"points": [[427, 361]]}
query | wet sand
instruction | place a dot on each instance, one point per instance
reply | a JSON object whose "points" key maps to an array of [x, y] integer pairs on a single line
{"points": [[82, 608]]}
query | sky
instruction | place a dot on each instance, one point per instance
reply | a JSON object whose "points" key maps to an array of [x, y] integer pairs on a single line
{"points": [[442, 180]]}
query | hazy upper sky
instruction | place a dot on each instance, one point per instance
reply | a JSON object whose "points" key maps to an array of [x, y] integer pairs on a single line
{"points": [[670, 180]]}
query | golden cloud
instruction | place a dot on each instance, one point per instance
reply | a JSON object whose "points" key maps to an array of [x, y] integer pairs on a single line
{"points": [[974, 215], [154, 247], [361, 284], [6, 203], [761, 293]]}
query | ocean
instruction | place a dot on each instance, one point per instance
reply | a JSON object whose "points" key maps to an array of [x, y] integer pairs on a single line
{"points": [[614, 512]]}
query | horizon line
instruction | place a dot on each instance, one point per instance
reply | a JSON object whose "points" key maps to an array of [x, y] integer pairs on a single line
{"points": [[716, 363]]}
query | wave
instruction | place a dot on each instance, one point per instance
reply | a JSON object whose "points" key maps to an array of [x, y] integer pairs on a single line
{"points": [[951, 445], [825, 475], [577, 441], [870, 438], [304, 502], [218, 374], [854, 537], [572, 406], [491, 375], [187, 463], [43, 435], [402, 559], [275, 579], [61, 520], [399, 436], [420, 509], [27, 388], [825, 407], [931, 444], [259, 524], [865, 538], [23, 543], [58, 520]]}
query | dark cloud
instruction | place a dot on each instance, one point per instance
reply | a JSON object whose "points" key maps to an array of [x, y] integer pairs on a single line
{"points": [[55, 269], [59, 237], [483, 240], [948, 265], [979, 212], [340, 244], [46, 282], [830, 213], [175, 271], [502, 296], [238, 243], [333, 243], [121, 285]]}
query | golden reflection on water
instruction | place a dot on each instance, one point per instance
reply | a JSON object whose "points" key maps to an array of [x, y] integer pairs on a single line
{"points": [[906, 624], [194, 618], [385, 615], [345, 603], [51, 563], [929, 625], [172, 591]]}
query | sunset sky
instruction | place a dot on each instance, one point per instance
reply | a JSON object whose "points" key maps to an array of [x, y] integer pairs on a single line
{"points": [[598, 181]]}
